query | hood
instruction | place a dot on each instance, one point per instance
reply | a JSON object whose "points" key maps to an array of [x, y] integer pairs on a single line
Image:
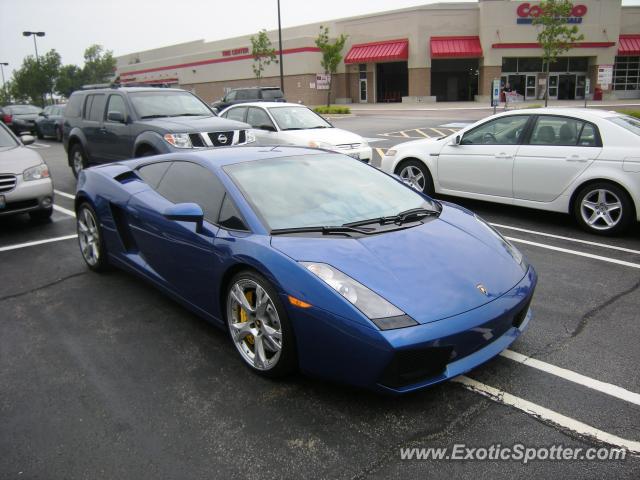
{"points": [[17, 159], [333, 136], [194, 124], [431, 272]]}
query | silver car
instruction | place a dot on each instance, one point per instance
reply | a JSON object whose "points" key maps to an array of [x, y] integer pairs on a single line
{"points": [[25, 183]]}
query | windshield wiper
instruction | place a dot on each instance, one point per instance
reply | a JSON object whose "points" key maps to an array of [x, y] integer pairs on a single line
{"points": [[320, 126], [326, 230], [412, 214], [190, 115], [294, 128], [154, 116]]}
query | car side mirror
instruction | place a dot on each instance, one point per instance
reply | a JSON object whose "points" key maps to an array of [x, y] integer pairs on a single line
{"points": [[457, 140], [42, 114], [117, 117], [267, 128], [27, 139], [186, 212]]}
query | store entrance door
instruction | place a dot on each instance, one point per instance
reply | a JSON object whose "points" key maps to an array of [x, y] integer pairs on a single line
{"points": [[392, 81], [530, 93], [567, 87]]}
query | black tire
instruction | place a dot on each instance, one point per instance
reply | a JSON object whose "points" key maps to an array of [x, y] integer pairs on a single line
{"points": [[39, 133], [41, 215], [147, 152], [595, 208], [426, 185], [287, 361], [59, 134], [77, 159], [100, 263]]}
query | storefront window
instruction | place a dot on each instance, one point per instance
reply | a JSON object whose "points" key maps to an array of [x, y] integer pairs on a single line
{"points": [[625, 73], [529, 65], [536, 65], [578, 64], [509, 64]]}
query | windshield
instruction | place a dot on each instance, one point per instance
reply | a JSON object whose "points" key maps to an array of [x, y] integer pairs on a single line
{"points": [[271, 93], [628, 123], [24, 109], [168, 104], [320, 190], [6, 139], [297, 118]]}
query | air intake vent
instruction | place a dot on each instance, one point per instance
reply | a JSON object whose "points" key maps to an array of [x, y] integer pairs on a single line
{"points": [[122, 226], [127, 177]]}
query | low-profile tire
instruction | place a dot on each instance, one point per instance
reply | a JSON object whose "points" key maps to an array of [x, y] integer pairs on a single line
{"points": [[416, 174], [41, 215], [77, 159], [39, 133], [147, 152], [603, 208], [59, 134], [90, 238], [259, 326]]}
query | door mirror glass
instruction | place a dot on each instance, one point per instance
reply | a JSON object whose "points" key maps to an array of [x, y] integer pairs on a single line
{"points": [[27, 139], [186, 212], [267, 128], [117, 117], [457, 140]]}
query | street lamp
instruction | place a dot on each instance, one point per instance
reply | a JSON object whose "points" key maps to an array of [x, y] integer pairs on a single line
{"points": [[280, 43], [2, 65], [35, 44]]}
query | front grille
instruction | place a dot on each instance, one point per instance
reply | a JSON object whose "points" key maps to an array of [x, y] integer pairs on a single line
{"points": [[519, 317], [349, 146], [412, 366], [7, 183], [221, 139], [218, 139]]}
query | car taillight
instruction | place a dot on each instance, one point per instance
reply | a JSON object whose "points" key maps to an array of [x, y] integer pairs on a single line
{"points": [[6, 118]]}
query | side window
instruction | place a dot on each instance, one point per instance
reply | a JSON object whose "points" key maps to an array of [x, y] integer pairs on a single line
{"points": [[230, 217], [236, 114], [187, 182], [152, 174], [551, 130], [74, 106], [87, 106], [116, 104], [48, 110], [501, 131], [589, 136], [257, 117], [247, 94], [95, 107], [231, 96]]}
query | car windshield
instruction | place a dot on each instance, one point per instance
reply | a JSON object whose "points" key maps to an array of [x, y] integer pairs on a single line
{"points": [[271, 93], [24, 109], [297, 118], [6, 139], [320, 190], [168, 104], [628, 123]]}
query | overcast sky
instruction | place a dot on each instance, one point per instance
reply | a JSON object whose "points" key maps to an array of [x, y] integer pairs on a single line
{"points": [[126, 26]]}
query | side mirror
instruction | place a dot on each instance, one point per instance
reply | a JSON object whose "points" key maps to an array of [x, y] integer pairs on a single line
{"points": [[267, 128], [42, 114], [186, 212], [27, 139], [117, 117], [457, 140]]}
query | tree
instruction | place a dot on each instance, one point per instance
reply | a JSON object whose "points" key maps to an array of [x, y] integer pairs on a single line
{"points": [[70, 78], [263, 53], [35, 78], [331, 55], [556, 36], [99, 65], [5, 95]]}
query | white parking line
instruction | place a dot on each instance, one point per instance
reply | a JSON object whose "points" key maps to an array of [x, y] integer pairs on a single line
{"points": [[37, 242], [575, 252], [64, 194], [58, 208], [569, 239], [607, 388], [548, 415], [422, 133]]}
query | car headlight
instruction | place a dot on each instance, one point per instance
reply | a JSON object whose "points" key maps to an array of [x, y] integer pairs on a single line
{"points": [[318, 144], [385, 315], [390, 153], [36, 173], [178, 140], [512, 249], [251, 137]]}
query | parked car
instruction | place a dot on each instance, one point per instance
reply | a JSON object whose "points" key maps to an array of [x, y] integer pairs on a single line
{"points": [[49, 122], [20, 118], [109, 124], [293, 124], [579, 161], [25, 184], [346, 273], [252, 94]]}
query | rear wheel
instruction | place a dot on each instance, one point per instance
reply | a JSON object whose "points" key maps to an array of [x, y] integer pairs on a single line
{"points": [[39, 133], [259, 326], [90, 238], [77, 159], [415, 174], [603, 208], [59, 134]]}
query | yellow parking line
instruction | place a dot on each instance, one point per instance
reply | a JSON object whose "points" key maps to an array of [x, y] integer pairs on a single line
{"points": [[453, 130], [403, 133], [422, 133], [439, 132], [380, 152]]}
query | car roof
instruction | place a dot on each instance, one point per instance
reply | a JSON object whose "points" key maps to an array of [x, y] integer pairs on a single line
{"points": [[584, 113], [267, 104], [129, 90]]}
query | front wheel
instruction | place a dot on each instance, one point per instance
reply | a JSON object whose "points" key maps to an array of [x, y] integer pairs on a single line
{"points": [[59, 134], [415, 174], [259, 326], [39, 133], [90, 238], [603, 208]]}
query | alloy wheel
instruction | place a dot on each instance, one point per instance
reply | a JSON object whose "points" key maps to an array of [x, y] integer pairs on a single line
{"points": [[413, 177], [89, 237], [601, 209], [78, 161]]}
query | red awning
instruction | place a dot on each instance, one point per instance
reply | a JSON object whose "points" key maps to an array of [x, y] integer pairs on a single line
{"points": [[378, 52], [455, 47], [629, 45]]}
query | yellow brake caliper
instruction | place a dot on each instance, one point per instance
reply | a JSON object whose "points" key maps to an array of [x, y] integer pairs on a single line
{"points": [[244, 317]]}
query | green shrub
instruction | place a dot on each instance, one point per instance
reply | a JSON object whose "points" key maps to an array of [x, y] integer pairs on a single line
{"points": [[333, 109], [631, 113]]}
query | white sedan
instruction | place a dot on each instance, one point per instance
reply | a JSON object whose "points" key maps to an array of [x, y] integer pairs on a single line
{"points": [[293, 124], [585, 162]]}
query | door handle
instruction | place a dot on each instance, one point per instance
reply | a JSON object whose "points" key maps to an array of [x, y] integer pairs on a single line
{"points": [[503, 156], [576, 158]]}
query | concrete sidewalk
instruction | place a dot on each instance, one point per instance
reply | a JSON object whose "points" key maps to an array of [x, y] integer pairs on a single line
{"points": [[440, 106]]}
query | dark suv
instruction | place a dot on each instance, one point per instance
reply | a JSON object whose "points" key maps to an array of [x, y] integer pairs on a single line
{"points": [[109, 124], [253, 94]]}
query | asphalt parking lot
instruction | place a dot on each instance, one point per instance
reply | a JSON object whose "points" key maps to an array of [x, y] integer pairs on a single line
{"points": [[104, 377]]}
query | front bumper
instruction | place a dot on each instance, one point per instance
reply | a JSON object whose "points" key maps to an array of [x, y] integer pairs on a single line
{"points": [[341, 350], [28, 196], [361, 153]]}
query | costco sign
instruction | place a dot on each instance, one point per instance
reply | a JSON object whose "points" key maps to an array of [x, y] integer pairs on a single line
{"points": [[527, 12]]}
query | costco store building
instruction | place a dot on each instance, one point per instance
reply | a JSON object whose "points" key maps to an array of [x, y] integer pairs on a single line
{"points": [[437, 52]]}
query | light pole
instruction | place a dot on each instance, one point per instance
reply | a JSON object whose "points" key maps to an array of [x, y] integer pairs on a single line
{"points": [[35, 45], [280, 44], [4, 85]]}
